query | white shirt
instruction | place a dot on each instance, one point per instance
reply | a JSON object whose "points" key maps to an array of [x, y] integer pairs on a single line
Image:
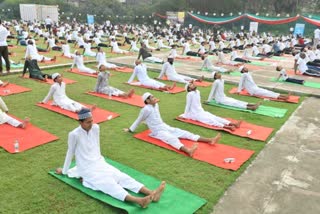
{"points": [[85, 146], [3, 36], [246, 82], [302, 65], [168, 70], [317, 33], [217, 91]]}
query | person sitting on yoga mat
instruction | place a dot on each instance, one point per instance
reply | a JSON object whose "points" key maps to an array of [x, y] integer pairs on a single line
{"points": [[34, 71], [160, 130], [78, 61], [144, 52], [247, 83], [207, 65], [217, 94], [58, 92], [4, 118], [102, 85], [95, 172], [169, 70], [285, 77], [140, 70], [194, 111]]}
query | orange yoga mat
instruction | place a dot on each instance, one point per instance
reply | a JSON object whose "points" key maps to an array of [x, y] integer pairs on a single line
{"points": [[253, 67], [292, 99], [123, 69], [135, 100], [76, 71], [193, 59], [212, 154], [246, 129], [175, 90], [197, 83], [99, 115], [28, 138], [50, 81], [47, 62], [12, 89]]}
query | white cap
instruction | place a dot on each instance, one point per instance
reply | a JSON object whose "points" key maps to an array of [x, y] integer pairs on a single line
{"points": [[213, 73], [241, 68], [55, 75], [145, 96]]}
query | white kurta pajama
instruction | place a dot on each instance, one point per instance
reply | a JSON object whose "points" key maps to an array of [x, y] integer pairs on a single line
{"points": [[208, 65], [246, 82], [4, 118], [78, 61], [141, 72], [170, 71], [160, 130], [194, 111], [33, 53], [58, 92], [217, 93], [103, 86], [101, 59], [92, 168]]}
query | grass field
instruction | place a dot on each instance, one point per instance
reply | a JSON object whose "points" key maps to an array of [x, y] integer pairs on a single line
{"points": [[26, 187]]}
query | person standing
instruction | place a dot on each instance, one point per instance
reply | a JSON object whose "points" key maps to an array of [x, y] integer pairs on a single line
{"points": [[4, 53], [316, 39], [48, 23]]}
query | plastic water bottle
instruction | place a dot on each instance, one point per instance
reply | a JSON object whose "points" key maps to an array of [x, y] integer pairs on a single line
{"points": [[16, 146], [229, 160]]}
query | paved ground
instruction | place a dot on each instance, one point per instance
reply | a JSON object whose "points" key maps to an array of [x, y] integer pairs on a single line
{"points": [[284, 178]]}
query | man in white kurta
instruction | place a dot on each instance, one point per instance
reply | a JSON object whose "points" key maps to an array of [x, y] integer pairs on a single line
{"points": [[4, 118], [217, 94], [78, 61], [102, 85], [169, 70], [58, 92], [160, 130], [102, 60], [84, 144], [194, 111], [247, 83], [140, 70], [207, 65]]}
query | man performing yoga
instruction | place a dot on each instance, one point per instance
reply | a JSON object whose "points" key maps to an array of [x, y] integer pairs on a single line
{"points": [[58, 92], [96, 173], [141, 72], [4, 118], [34, 71], [103, 86], [169, 70], [247, 82], [217, 93], [194, 111], [160, 130]]}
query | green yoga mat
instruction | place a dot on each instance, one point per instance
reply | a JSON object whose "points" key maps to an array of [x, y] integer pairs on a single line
{"points": [[258, 63], [262, 110], [278, 58], [88, 55], [173, 200], [15, 65], [306, 83], [235, 73]]}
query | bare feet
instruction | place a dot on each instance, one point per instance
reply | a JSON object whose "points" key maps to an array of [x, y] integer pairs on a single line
{"points": [[25, 122], [215, 139], [193, 149], [145, 201], [158, 192], [237, 125], [131, 92], [54, 58], [173, 86]]}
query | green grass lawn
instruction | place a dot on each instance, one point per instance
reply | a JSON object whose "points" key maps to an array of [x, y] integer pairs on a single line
{"points": [[26, 186]]}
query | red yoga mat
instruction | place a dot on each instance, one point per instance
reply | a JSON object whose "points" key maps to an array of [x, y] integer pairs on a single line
{"points": [[12, 89], [175, 90], [292, 99], [99, 115], [50, 81], [212, 154], [253, 67], [189, 59], [28, 138], [123, 69], [135, 100], [76, 71], [197, 83], [246, 129], [47, 62]]}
